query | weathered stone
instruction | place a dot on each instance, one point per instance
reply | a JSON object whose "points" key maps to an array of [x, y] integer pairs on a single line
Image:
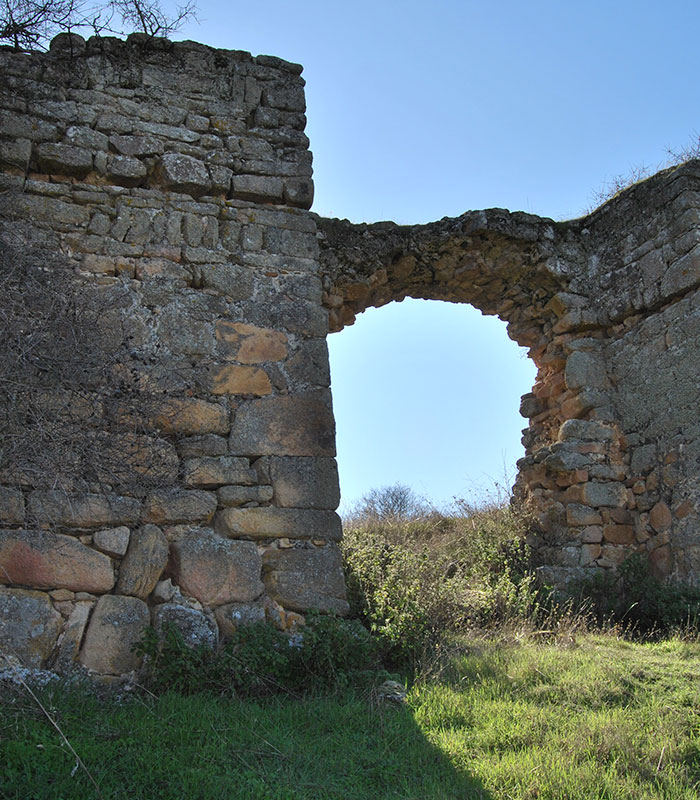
{"points": [[577, 514], [243, 495], [191, 417], [125, 170], [116, 625], [11, 506], [29, 626], [299, 192], [175, 506], [232, 616], [137, 145], [589, 553], [294, 425], [45, 560], [248, 344], [82, 511], [301, 482], [196, 628], [585, 430], [68, 646], [209, 445], [181, 173], [230, 280], [144, 562], [113, 541], [660, 517], [15, 155], [215, 570], [213, 472], [64, 159], [592, 534], [618, 534], [306, 579], [80, 136], [269, 522], [597, 494], [585, 370], [164, 591], [260, 188], [240, 380]]}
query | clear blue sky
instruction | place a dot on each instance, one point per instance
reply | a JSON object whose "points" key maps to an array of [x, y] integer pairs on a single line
{"points": [[422, 110]]}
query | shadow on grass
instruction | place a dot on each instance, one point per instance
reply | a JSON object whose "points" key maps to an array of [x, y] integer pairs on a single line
{"points": [[204, 748]]}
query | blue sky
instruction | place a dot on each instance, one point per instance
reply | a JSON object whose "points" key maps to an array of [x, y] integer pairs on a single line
{"points": [[422, 110]]}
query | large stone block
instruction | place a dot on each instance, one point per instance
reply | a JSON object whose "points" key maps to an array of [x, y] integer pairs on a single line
{"points": [[221, 471], [239, 380], [259, 188], [249, 344], [64, 159], [268, 522], [215, 570], [82, 511], [291, 425], [116, 625], [244, 495], [190, 416], [177, 506], [181, 173], [46, 560], [29, 626], [303, 579], [302, 482], [144, 561], [597, 494], [113, 541]]}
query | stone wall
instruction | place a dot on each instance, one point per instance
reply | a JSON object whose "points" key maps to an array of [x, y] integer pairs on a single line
{"points": [[608, 307], [175, 180]]}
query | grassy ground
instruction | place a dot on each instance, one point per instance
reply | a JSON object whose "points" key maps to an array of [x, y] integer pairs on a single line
{"points": [[596, 718]]}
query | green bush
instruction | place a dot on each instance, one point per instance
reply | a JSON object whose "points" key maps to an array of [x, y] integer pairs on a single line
{"points": [[638, 601], [414, 580], [327, 653]]}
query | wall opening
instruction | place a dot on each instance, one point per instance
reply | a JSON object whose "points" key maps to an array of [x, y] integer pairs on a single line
{"points": [[426, 393]]}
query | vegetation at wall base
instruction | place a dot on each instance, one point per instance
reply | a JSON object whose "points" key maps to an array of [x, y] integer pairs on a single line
{"points": [[583, 718], [417, 576], [258, 660]]}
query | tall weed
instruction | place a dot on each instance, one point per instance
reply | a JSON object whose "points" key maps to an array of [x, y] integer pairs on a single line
{"points": [[414, 580]]}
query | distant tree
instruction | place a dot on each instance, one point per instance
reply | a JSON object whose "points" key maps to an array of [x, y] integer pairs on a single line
{"points": [[31, 24], [397, 502]]}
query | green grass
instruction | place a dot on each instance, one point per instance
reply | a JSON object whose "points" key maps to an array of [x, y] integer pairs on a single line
{"points": [[598, 718]]}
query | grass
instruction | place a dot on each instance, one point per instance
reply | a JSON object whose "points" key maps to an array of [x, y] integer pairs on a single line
{"points": [[600, 717]]}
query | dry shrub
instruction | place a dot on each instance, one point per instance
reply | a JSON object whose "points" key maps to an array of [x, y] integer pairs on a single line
{"points": [[72, 410]]}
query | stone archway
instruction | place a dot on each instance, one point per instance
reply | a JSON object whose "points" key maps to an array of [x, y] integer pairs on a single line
{"points": [[593, 300]]}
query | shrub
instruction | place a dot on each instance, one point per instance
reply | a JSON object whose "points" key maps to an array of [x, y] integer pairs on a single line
{"points": [[328, 653], [640, 602], [412, 581]]}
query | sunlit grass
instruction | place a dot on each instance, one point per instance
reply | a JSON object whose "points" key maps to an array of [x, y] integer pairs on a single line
{"points": [[598, 718]]}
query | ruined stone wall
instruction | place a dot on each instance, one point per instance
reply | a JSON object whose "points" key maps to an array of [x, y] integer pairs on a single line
{"points": [[176, 178], [608, 307], [176, 181]]}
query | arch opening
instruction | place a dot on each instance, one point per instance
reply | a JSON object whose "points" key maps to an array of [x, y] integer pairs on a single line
{"points": [[425, 395]]}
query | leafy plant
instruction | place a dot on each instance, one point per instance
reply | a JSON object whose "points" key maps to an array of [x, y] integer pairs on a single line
{"points": [[414, 580], [328, 653], [639, 601]]}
